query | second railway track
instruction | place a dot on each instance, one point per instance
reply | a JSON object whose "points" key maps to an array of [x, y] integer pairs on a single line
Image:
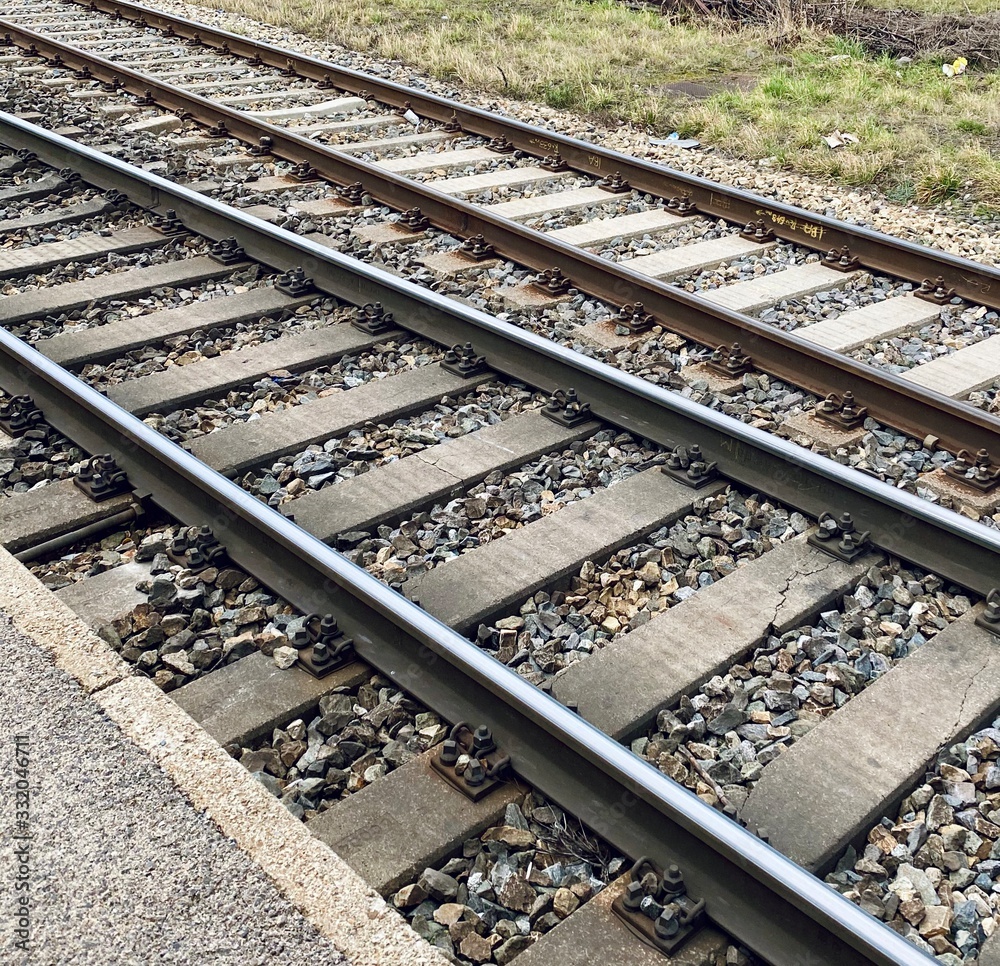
{"points": [[248, 90], [806, 668]]}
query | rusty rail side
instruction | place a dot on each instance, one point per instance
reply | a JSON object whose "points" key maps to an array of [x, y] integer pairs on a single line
{"points": [[893, 401], [874, 250]]}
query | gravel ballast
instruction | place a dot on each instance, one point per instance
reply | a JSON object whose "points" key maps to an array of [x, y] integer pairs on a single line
{"points": [[353, 738], [192, 621], [511, 884], [931, 869], [718, 739], [556, 627]]}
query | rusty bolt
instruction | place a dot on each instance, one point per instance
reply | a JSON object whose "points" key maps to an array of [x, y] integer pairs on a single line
{"points": [[666, 924], [299, 638], [673, 880], [633, 896], [475, 774], [482, 741]]}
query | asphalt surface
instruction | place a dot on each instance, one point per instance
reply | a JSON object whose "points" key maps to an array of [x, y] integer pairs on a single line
{"points": [[122, 868]]}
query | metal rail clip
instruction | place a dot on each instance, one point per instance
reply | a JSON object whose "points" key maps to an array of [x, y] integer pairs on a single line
{"points": [[461, 360], [413, 219], [977, 471], [500, 145], [227, 251], [263, 147], [303, 172], [321, 645], [552, 282], [102, 478], [655, 906], [23, 159], [477, 248], [168, 223], [841, 260], [564, 407], [470, 761], [353, 193], [19, 416], [842, 411], [730, 362], [681, 205], [635, 318], [71, 182], [990, 617], [688, 465], [757, 231], [935, 290], [197, 549], [294, 283], [615, 184], [850, 545], [553, 163], [373, 319]]}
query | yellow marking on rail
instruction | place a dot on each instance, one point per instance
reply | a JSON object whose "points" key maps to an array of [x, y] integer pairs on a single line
{"points": [[983, 287], [543, 145], [794, 224]]}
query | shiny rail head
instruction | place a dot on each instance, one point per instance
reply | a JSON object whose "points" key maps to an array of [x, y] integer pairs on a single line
{"points": [[738, 437]]}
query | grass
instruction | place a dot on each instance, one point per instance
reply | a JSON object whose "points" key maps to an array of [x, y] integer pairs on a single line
{"points": [[956, 8], [915, 126], [598, 58], [922, 136]]}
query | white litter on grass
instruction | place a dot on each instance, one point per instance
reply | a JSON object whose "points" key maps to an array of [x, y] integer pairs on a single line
{"points": [[837, 139], [676, 141], [955, 68]]}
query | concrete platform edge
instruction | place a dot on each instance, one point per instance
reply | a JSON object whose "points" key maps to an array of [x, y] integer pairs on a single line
{"points": [[42, 616], [314, 878]]}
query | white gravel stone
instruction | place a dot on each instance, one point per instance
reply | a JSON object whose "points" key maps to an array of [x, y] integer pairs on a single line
{"points": [[285, 657]]}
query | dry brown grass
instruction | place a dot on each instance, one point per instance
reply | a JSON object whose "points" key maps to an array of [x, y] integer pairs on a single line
{"points": [[955, 8], [600, 58]]}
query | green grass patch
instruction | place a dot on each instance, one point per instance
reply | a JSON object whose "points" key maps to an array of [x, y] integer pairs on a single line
{"points": [[920, 134], [938, 185], [968, 126]]}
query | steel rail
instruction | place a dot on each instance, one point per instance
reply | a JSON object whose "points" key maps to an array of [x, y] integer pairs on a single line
{"points": [[875, 250], [772, 905], [917, 411], [938, 540]]}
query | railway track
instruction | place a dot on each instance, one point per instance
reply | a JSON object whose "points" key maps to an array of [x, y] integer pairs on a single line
{"points": [[284, 383], [616, 228], [229, 700]]}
